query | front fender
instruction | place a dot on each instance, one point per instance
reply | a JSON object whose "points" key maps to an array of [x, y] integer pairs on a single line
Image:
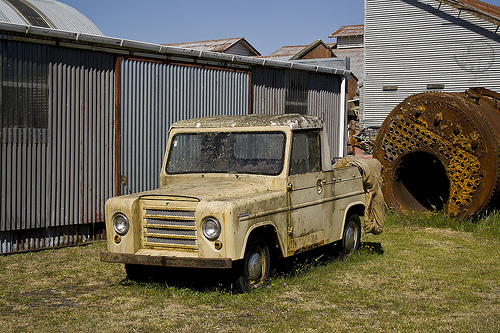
{"points": [[267, 230]]}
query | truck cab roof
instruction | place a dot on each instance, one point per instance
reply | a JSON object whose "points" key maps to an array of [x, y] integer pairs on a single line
{"points": [[294, 121]]}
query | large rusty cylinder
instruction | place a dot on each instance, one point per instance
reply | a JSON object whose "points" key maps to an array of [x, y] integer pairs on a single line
{"points": [[441, 151]]}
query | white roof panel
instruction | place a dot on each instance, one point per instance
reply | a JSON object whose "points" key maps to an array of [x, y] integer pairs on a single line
{"points": [[56, 14]]}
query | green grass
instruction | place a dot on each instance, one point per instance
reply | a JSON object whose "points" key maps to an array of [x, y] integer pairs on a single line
{"points": [[425, 273]]}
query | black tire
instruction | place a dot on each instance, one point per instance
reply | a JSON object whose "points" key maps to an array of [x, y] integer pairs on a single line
{"points": [[351, 237], [255, 268]]}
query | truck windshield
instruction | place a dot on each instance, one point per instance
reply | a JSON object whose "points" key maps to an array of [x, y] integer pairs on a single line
{"points": [[227, 152]]}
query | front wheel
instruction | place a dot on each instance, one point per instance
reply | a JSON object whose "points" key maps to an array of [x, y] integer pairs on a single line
{"points": [[256, 266], [351, 238]]}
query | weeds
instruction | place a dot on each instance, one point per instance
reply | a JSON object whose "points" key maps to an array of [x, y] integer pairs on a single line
{"points": [[425, 273], [487, 223]]}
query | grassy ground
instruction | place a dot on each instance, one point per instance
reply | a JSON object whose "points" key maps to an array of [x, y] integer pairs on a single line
{"points": [[425, 273]]}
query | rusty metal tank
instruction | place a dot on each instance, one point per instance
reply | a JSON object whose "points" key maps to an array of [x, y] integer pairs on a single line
{"points": [[441, 151]]}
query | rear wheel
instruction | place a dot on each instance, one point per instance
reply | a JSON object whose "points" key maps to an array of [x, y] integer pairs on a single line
{"points": [[255, 267], [351, 238]]}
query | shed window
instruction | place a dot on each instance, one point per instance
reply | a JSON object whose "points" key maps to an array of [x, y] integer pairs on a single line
{"points": [[24, 88], [296, 92]]}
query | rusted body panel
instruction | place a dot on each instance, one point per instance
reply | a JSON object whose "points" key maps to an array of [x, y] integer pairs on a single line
{"points": [[166, 261], [441, 151], [303, 210]]}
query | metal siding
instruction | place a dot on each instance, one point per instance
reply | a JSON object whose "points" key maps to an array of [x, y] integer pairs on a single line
{"points": [[269, 89], [324, 101], [56, 179], [155, 95], [410, 44]]}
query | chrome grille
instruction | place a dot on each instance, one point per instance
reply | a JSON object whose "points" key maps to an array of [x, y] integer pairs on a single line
{"points": [[172, 228]]}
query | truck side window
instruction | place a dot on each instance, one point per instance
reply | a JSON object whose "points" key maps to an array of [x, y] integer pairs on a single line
{"points": [[306, 152]]}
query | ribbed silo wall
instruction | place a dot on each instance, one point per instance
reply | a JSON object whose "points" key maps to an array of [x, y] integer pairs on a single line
{"points": [[57, 148], [153, 95]]}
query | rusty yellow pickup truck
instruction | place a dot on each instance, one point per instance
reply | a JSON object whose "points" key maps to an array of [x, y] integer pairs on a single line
{"points": [[236, 193]]}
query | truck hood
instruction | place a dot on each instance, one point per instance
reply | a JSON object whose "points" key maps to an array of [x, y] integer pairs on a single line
{"points": [[209, 189]]}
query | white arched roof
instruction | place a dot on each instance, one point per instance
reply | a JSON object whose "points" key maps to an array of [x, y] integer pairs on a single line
{"points": [[47, 14]]}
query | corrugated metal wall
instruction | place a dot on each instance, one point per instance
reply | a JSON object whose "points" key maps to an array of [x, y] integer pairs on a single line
{"points": [[57, 135], [154, 95], [268, 90], [277, 91], [410, 44], [56, 160], [324, 101]]}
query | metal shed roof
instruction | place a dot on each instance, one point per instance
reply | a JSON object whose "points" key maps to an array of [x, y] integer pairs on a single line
{"points": [[217, 45], [296, 52], [285, 53], [46, 14], [349, 30], [130, 47]]}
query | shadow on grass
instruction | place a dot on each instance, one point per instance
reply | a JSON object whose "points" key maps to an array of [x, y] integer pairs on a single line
{"points": [[196, 279], [301, 263], [201, 280], [372, 247]]}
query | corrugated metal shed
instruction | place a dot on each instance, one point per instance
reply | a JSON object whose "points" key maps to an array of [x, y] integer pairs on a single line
{"points": [[102, 101], [56, 147], [62, 161], [47, 14], [413, 46], [155, 95]]}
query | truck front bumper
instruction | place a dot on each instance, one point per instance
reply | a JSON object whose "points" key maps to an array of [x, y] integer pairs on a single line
{"points": [[138, 259]]}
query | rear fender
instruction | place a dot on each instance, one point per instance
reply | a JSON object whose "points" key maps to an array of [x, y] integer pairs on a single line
{"points": [[356, 207]]}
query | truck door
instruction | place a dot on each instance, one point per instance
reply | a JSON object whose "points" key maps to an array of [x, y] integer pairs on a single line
{"points": [[305, 192]]}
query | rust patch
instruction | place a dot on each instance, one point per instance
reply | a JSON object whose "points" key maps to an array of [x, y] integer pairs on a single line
{"points": [[166, 261], [309, 247]]}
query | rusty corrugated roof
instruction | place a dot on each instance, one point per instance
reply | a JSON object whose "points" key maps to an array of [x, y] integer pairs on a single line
{"points": [[216, 45], [349, 30], [285, 53], [295, 52], [480, 9], [483, 6]]}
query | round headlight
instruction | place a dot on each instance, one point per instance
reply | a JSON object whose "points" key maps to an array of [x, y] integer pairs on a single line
{"points": [[120, 224], [211, 228]]}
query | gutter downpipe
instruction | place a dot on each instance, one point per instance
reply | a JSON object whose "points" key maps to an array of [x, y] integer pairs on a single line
{"points": [[343, 119]]}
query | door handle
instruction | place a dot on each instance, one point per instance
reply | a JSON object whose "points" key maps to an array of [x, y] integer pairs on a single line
{"points": [[319, 185]]}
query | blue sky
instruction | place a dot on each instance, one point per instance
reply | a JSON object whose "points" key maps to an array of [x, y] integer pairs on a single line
{"points": [[267, 25]]}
